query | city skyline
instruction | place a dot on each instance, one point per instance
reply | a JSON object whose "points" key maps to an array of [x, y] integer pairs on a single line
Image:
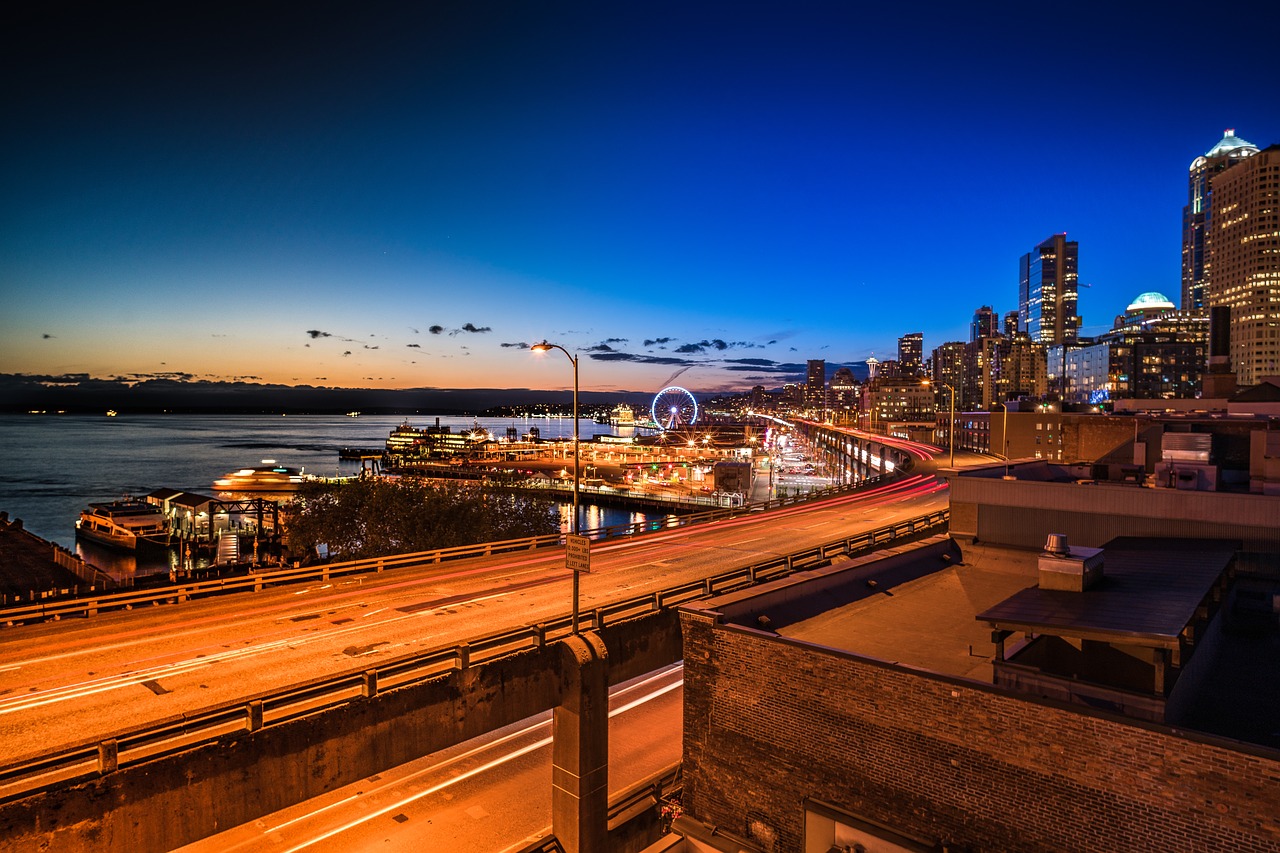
{"points": [[711, 195]]}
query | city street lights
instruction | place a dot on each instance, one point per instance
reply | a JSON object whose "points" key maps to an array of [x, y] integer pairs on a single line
{"points": [[577, 476]]}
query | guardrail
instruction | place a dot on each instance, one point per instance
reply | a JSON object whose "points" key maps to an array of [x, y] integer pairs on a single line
{"points": [[174, 734], [89, 605]]}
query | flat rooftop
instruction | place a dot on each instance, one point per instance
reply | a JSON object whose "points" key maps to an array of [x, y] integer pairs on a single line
{"points": [[1148, 594]]}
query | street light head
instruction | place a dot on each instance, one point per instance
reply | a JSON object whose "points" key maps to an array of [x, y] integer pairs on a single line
{"points": [[541, 347]]}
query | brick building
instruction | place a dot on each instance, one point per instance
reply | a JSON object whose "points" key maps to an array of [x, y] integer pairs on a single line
{"points": [[853, 705]]}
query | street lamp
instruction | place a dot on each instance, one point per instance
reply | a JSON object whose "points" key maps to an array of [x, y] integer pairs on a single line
{"points": [[1004, 436], [951, 425], [577, 477]]}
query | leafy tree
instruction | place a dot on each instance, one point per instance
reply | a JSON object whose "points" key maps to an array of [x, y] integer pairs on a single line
{"points": [[372, 518]]}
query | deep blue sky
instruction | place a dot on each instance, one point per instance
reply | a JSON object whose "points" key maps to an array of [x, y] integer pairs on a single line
{"points": [[303, 195]]}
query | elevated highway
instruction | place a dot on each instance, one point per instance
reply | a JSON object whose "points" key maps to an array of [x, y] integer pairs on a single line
{"points": [[71, 682]]}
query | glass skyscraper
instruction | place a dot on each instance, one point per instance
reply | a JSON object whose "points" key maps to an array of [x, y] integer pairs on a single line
{"points": [[1047, 287]]}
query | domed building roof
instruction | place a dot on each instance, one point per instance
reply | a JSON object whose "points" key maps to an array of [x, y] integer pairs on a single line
{"points": [[1229, 145], [1150, 301]]}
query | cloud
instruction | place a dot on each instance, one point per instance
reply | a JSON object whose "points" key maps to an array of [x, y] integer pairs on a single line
{"points": [[46, 336], [639, 359], [412, 329], [415, 346], [348, 352], [615, 340], [366, 346], [600, 348], [472, 327], [673, 377], [435, 330], [654, 341], [520, 345], [316, 333]]}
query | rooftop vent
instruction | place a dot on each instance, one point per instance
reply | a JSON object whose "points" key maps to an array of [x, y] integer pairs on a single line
{"points": [[1063, 567]]}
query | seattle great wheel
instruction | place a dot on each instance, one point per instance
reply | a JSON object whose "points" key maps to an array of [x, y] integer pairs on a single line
{"points": [[673, 408]]}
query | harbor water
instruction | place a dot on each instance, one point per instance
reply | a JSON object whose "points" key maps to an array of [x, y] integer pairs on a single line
{"points": [[56, 465]]}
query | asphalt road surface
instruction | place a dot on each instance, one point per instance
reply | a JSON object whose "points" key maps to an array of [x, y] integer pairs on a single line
{"points": [[489, 794]]}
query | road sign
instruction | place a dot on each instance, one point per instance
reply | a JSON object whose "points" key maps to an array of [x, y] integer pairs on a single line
{"points": [[577, 553]]}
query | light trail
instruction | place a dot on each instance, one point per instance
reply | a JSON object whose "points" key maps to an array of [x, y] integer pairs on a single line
{"points": [[476, 771]]}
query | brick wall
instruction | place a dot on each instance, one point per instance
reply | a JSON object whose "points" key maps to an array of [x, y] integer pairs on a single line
{"points": [[769, 722]]}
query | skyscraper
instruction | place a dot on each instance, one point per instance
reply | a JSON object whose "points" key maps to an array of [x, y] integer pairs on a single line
{"points": [[911, 354], [1244, 261], [1047, 283], [1196, 225], [984, 324], [816, 384]]}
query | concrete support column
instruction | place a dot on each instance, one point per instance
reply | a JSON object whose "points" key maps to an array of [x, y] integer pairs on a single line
{"points": [[580, 747]]}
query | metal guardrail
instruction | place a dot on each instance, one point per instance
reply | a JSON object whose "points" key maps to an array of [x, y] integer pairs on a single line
{"points": [[90, 605], [173, 734]]}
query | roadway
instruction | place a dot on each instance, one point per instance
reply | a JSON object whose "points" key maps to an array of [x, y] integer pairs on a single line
{"points": [[488, 794], [69, 682]]}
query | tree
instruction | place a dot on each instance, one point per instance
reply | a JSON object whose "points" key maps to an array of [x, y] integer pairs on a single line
{"points": [[373, 518]]}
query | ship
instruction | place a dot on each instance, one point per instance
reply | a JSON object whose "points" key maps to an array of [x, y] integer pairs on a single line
{"points": [[269, 477], [622, 415], [130, 524]]}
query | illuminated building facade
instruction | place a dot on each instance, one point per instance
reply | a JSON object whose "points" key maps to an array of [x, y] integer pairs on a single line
{"points": [[1244, 261], [1047, 287], [911, 354], [1197, 214], [985, 324], [815, 389]]}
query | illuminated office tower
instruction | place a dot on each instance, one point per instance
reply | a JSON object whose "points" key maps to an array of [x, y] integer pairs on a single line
{"points": [[985, 324], [1244, 261], [816, 384], [911, 354], [1047, 284], [1197, 214]]}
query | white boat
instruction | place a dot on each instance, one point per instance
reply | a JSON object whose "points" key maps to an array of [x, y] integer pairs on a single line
{"points": [[128, 523], [268, 477], [622, 415]]}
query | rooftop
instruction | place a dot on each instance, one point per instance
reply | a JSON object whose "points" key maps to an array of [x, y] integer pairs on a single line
{"points": [[1149, 592]]}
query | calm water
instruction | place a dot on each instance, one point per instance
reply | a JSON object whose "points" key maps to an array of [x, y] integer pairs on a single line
{"points": [[55, 465]]}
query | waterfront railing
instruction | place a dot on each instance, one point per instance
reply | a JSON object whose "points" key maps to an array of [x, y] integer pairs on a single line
{"points": [[89, 759]]}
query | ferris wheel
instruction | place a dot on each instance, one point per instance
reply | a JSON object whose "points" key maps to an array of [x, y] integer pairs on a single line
{"points": [[674, 407]]}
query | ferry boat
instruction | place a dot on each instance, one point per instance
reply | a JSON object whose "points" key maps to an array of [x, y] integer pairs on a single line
{"points": [[268, 477], [127, 523], [622, 415]]}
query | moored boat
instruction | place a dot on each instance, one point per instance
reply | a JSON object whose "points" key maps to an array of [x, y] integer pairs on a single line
{"points": [[128, 524]]}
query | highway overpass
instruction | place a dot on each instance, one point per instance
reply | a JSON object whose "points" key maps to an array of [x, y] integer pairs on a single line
{"points": [[87, 686]]}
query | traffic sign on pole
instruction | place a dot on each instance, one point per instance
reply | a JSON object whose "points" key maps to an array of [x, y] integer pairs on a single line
{"points": [[577, 553]]}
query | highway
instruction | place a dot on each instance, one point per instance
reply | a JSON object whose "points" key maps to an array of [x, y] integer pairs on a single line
{"points": [[68, 682], [488, 794]]}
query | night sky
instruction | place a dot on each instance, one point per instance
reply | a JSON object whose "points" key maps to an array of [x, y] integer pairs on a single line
{"points": [[407, 195]]}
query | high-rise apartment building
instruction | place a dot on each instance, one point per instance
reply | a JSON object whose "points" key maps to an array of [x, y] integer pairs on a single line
{"points": [[1197, 214], [1244, 261], [815, 389], [985, 324], [911, 354], [1047, 287], [1011, 324]]}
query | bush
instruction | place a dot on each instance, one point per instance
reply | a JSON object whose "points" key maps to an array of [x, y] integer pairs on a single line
{"points": [[374, 518]]}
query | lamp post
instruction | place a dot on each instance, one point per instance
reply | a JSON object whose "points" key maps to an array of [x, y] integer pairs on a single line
{"points": [[573, 524], [951, 425], [1004, 436]]}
